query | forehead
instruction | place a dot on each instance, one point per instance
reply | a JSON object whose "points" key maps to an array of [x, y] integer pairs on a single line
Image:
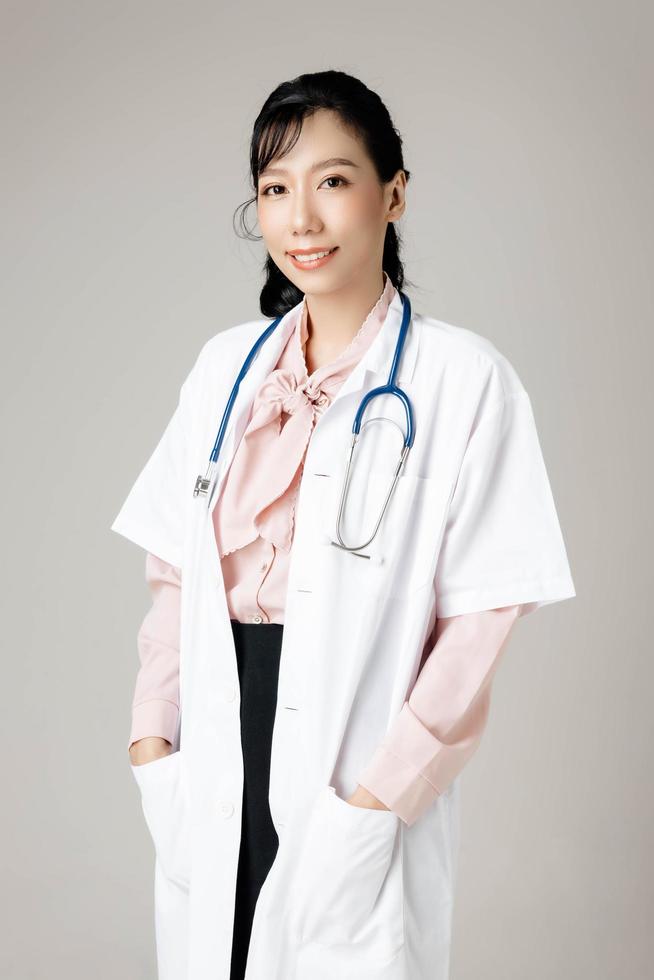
{"points": [[323, 141]]}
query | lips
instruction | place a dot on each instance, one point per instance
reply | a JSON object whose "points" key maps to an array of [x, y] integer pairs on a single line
{"points": [[303, 253], [303, 258]]}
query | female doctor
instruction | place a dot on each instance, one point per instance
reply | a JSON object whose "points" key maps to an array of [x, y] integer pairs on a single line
{"points": [[316, 664]]}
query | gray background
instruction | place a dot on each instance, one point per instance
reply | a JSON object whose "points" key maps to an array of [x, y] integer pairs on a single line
{"points": [[527, 129]]}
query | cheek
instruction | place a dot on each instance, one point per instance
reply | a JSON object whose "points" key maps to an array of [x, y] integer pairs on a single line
{"points": [[272, 225], [357, 216]]}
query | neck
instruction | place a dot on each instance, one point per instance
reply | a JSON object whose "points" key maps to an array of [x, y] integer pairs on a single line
{"points": [[333, 319]]}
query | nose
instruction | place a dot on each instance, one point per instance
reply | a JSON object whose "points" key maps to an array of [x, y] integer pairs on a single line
{"points": [[304, 216]]}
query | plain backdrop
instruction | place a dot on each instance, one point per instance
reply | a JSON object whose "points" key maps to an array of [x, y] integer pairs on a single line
{"points": [[527, 128]]}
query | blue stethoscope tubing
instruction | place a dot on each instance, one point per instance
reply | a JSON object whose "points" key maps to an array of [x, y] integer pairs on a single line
{"points": [[203, 483]]}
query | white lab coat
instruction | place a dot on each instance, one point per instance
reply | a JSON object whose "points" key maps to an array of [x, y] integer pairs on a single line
{"points": [[353, 892]]}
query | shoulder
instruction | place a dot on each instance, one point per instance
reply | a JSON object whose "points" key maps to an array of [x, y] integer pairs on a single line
{"points": [[218, 353], [470, 355], [232, 339]]}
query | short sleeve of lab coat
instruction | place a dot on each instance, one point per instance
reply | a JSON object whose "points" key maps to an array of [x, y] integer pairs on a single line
{"points": [[502, 542], [154, 513]]}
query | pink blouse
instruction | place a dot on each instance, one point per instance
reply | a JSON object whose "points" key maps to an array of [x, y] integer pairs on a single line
{"points": [[441, 724]]}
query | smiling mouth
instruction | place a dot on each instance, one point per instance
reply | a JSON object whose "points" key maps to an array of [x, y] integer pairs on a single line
{"points": [[312, 258]]}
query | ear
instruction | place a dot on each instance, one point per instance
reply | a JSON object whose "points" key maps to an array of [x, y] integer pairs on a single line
{"points": [[396, 196]]}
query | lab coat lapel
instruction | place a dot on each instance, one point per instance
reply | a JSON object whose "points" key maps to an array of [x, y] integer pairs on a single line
{"points": [[372, 371], [263, 364], [374, 367]]}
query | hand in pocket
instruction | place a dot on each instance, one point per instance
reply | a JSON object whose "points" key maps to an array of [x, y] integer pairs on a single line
{"points": [[341, 874]]}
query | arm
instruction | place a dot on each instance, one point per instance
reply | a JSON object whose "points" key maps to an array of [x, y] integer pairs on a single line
{"points": [[155, 706], [440, 726]]}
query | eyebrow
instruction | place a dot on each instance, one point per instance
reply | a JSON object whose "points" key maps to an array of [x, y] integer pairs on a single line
{"points": [[332, 162]]}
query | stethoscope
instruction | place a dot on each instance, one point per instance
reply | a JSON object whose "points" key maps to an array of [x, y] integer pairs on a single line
{"points": [[204, 483]]}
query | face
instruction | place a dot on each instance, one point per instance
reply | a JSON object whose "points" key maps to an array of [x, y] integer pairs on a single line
{"points": [[325, 195]]}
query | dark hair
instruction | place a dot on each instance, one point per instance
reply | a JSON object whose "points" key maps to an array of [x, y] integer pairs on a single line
{"points": [[281, 116]]}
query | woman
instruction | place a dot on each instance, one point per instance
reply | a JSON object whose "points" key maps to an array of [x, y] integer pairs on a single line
{"points": [[303, 711]]}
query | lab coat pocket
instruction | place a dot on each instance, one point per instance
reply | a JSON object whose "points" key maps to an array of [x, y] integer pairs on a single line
{"points": [[413, 531], [348, 885], [402, 554], [351, 570], [164, 807]]}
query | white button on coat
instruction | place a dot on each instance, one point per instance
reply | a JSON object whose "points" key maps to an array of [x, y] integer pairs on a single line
{"points": [[353, 892]]}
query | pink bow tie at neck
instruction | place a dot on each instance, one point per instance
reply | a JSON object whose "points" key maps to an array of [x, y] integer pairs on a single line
{"points": [[293, 396], [258, 495]]}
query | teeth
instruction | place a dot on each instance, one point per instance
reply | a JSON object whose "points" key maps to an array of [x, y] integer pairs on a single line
{"points": [[313, 257]]}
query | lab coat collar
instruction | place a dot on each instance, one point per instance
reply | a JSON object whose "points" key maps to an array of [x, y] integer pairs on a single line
{"points": [[376, 361], [378, 358]]}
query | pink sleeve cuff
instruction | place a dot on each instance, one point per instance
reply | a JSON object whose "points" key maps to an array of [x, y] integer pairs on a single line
{"points": [[155, 717], [441, 724], [400, 784]]}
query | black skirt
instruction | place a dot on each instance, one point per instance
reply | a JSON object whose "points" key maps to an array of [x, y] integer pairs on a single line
{"points": [[258, 646]]}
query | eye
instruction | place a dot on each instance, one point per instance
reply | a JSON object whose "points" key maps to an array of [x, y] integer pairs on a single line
{"points": [[342, 180], [265, 193]]}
